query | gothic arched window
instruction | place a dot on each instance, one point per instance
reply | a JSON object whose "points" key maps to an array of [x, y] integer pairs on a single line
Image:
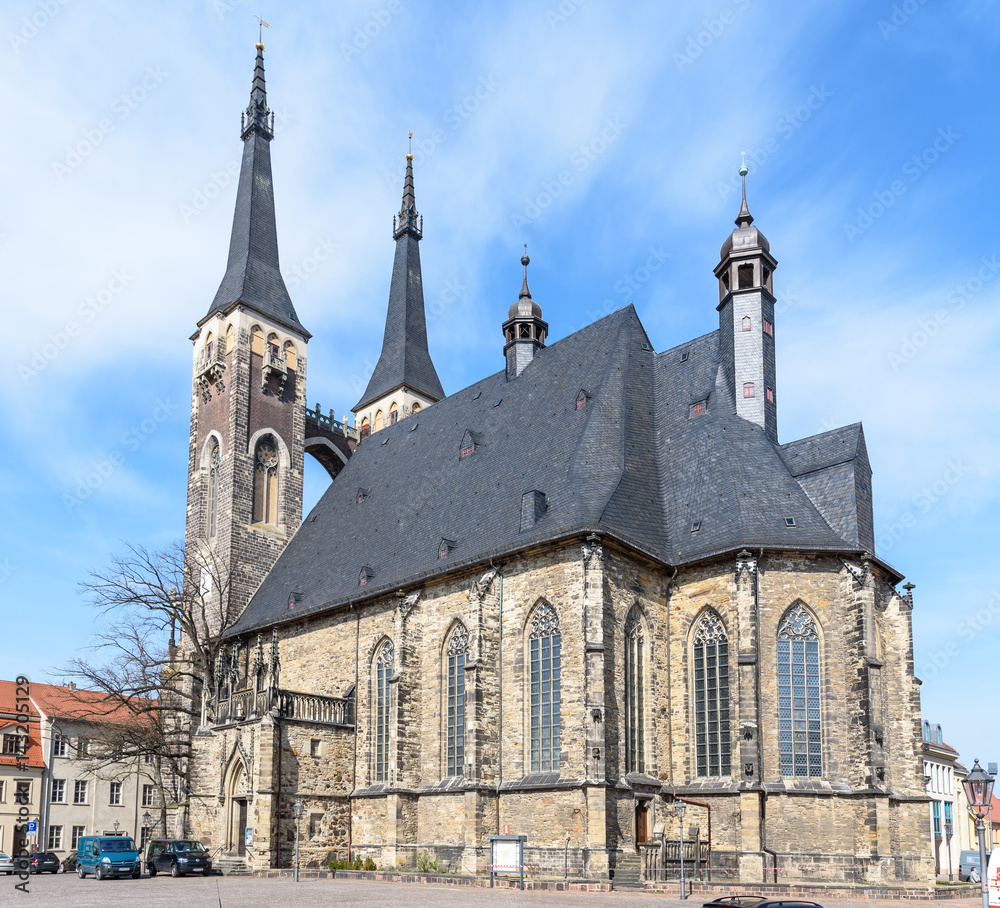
{"points": [[378, 421], [545, 642], [213, 489], [711, 697], [366, 429], [635, 680], [393, 413], [265, 482], [380, 710], [799, 724], [457, 656]]}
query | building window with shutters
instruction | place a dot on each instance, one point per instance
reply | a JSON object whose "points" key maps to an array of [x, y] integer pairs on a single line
{"points": [[799, 723], [545, 701], [457, 654], [382, 673], [713, 750]]}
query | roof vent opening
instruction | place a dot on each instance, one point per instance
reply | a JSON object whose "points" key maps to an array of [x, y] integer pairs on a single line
{"points": [[789, 521], [645, 346], [413, 428], [684, 356], [696, 526], [478, 395], [533, 508]]}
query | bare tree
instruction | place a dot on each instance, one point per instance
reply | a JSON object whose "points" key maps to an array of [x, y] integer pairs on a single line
{"points": [[154, 660]]}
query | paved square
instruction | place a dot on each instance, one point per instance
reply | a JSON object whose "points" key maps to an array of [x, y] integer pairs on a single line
{"points": [[67, 891]]}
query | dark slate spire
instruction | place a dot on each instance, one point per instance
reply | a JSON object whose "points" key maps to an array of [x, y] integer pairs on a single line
{"points": [[253, 277], [405, 359], [744, 218], [524, 332]]}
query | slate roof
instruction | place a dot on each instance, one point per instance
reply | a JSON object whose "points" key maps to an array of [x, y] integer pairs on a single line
{"points": [[405, 359], [253, 276], [632, 464], [821, 451]]}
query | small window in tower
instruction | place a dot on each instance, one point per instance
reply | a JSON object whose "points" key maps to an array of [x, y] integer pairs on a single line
{"points": [[230, 339], [746, 322], [525, 332], [209, 349], [415, 409], [697, 408], [789, 521], [725, 279], [767, 279], [274, 351], [770, 395], [314, 747], [393, 414], [768, 327], [745, 276], [366, 429], [748, 389]]}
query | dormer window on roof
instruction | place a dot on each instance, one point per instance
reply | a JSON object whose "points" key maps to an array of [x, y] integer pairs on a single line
{"points": [[684, 356], [444, 548], [581, 399], [469, 443], [697, 408], [696, 526], [364, 576], [362, 495], [789, 521]]}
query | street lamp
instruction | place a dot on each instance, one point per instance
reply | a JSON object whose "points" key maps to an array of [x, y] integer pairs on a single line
{"points": [[297, 810], [116, 824], [147, 823], [679, 810], [978, 787]]}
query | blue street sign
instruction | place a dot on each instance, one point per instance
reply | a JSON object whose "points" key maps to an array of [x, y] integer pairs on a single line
{"points": [[32, 827]]}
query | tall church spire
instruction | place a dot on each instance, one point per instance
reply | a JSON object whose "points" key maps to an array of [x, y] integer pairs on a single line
{"points": [[404, 369], [253, 276]]}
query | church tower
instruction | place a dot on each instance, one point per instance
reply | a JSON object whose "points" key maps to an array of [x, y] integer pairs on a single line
{"points": [[746, 319], [404, 380], [248, 394]]}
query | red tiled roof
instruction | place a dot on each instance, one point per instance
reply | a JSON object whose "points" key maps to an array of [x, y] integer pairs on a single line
{"points": [[8, 712], [59, 702]]}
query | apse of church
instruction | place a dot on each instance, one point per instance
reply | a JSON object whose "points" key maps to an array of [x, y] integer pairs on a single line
{"points": [[561, 629]]}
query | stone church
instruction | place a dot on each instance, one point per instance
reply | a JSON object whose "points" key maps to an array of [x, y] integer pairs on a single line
{"points": [[586, 588]]}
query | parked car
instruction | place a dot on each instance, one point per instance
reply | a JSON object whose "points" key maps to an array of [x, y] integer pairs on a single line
{"points": [[44, 862], [68, 863], [756, 901], [6, 863], [966, 861], [106, 856], [178, 857]]}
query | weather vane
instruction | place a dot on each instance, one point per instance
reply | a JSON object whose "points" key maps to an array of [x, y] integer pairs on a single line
{"points": [[409, 132], [261, 25]]}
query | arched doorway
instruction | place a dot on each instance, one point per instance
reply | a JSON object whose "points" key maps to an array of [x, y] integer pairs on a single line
{"points": [[237, 806]]}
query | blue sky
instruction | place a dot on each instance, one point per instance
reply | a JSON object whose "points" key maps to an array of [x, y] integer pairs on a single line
{"points": [[607, 137]]}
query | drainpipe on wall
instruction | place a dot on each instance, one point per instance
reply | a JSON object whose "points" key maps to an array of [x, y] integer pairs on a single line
{"points": [[499, 696], [760, 724], [670, 706], [354, 775]]}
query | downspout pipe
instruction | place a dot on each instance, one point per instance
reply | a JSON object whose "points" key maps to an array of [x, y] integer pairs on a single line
{"points": [[354, 774], [499, 695], [760, 724], [670, 704]]}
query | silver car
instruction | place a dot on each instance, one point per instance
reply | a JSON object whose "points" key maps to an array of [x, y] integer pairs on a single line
{"points": [[6, 863]]}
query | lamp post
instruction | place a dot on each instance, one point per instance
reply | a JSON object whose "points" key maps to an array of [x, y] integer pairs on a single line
{"points": [[297, 810], [679, 810], [948, 831], [147, 819], [116, 824], [978, 787]]}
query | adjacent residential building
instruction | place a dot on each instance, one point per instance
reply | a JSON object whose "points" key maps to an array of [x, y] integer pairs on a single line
{"points": [[80, 798], [948, 808], [21, 767]]}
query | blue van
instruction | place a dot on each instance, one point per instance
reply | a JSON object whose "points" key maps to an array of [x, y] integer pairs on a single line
{"points": [[107, 855]]}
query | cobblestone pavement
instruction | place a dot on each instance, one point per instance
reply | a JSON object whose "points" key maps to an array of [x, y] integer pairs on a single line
{"points": [[67, 891]]}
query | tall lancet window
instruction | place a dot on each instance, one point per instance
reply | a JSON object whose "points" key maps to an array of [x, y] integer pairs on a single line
{"points": [[213, 489], [799, 724], [457, 655], [635, 682], [381, 710], [711, 697], [545, 643], [265, 482]]}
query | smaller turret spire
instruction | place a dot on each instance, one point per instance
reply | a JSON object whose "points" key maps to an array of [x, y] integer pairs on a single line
{"points": [[525, 292], [257, 116], [744, 218]]}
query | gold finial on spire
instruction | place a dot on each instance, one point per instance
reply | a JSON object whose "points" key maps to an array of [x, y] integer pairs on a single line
{"points": [[261, 25]]}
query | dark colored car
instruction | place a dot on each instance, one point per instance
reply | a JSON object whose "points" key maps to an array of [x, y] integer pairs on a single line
{"points": [[69, 863], [44, 862], [756, 901], [177, 857]]}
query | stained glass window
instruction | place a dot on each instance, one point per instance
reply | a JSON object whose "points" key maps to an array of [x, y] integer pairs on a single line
{"points": [[458, 654], [713, 750], [635, 743], [799, 724], [545, 694], [383, 672]]}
